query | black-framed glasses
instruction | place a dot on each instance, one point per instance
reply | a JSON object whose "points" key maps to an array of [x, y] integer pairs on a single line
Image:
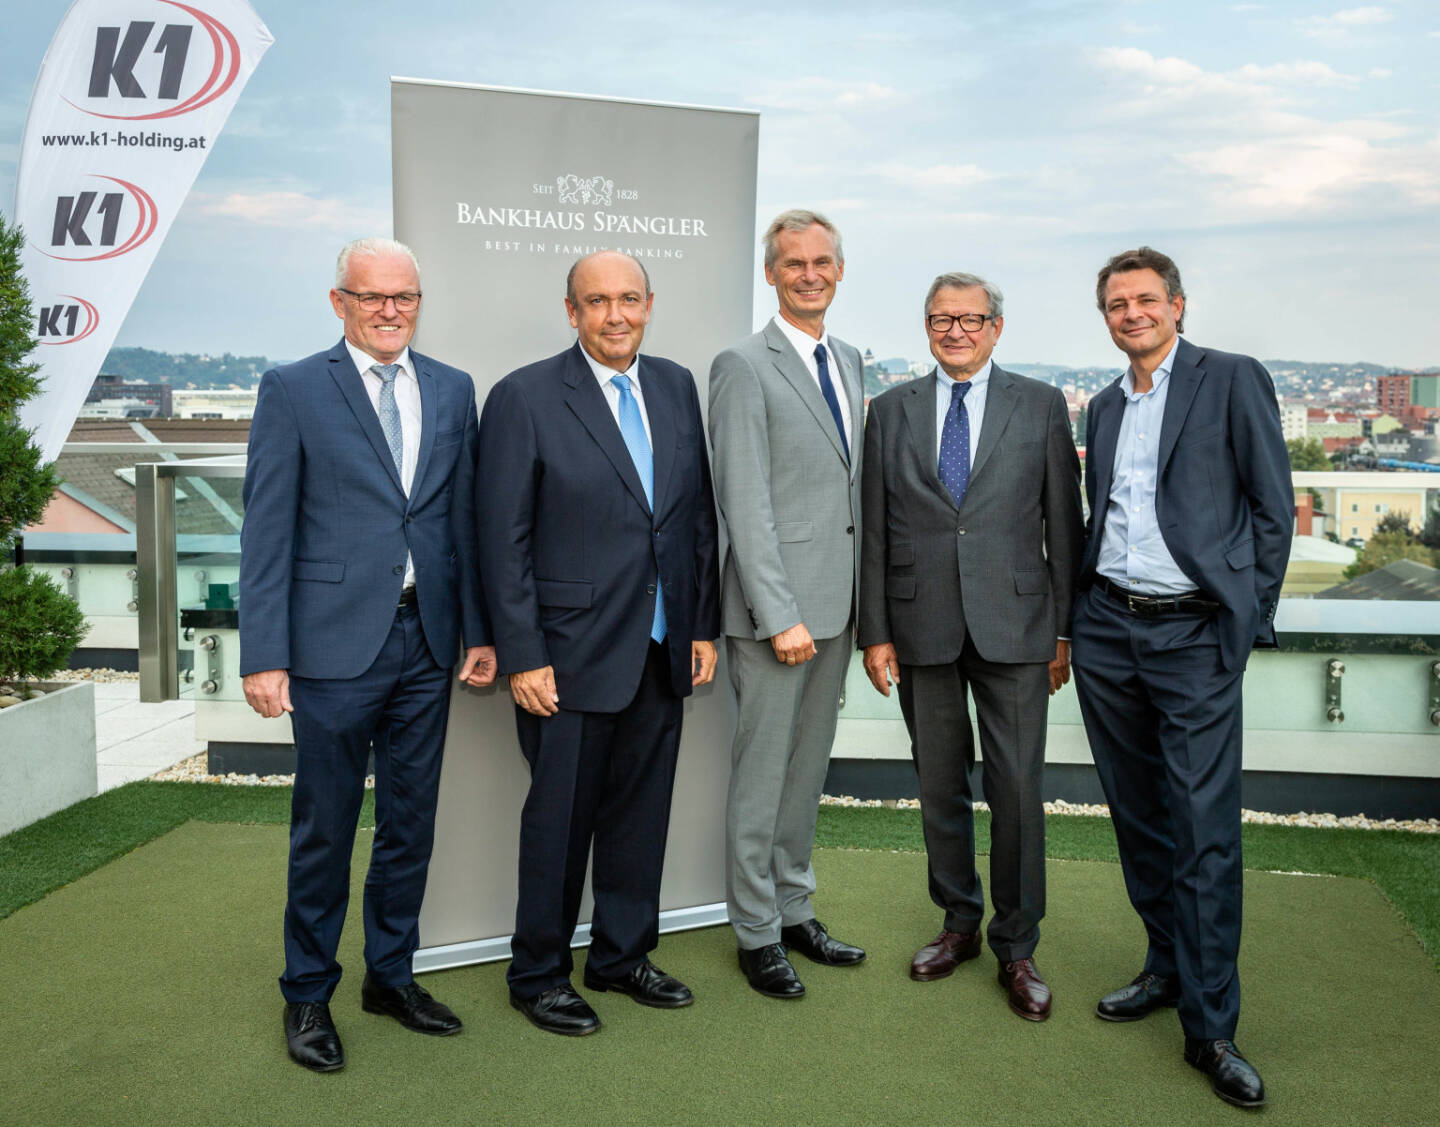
{"points": [[374, 302], [970, 322]]}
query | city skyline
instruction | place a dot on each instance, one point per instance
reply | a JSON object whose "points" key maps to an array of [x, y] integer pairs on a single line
{"points": [[1287, 155]]}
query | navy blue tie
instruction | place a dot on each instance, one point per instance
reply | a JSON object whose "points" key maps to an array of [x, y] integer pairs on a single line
{"points": [[827, 389], [632, 430], [955, 444]]}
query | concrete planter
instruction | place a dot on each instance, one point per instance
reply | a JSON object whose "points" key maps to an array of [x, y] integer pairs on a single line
{"points": [[47, 753]]}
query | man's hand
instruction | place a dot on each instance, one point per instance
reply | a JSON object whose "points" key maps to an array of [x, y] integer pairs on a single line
{"points": [[534, 691], [1060, 667], [702, 662], [268, 692], [794, 646], [480, 667], [882, 666]]}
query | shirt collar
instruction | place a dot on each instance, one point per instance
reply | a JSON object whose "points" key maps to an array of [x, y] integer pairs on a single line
{"points": [[979, 379], [1161, 374], [604, 375], [800, 340], [364, 361]]}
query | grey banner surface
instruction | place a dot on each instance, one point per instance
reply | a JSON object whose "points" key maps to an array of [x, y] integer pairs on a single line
{"points": [[498, 191]]}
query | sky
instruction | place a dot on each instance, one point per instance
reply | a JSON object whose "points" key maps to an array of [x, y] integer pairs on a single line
{"points": [[1287, 155]]}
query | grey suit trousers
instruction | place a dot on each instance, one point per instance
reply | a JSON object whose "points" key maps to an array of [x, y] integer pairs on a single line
{"points": [[1010, 702], [777, 771]]}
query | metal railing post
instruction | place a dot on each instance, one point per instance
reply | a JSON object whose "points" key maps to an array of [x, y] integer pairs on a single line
{"points": [[159, 612]]}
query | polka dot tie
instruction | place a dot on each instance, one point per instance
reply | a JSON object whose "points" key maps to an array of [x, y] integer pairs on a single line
{"points": [[955, 444], [390, 413]]}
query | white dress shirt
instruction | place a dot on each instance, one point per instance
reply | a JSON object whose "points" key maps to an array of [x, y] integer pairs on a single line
{"points": [[604, 375], [407, 401], [804, 345]]}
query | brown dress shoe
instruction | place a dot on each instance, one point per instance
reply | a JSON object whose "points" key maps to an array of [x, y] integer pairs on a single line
{"points": [[1029, 996], [940, 957]]}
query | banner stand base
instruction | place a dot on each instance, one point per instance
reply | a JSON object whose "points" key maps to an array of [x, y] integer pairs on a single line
{"points": [[490, 950]]}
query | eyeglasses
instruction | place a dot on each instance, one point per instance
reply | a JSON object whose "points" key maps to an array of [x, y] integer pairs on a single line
{"points": [[374, 302], [970, 322]]}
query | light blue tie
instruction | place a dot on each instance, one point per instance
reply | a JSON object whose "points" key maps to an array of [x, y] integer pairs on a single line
{"points": [[390, 414], [632, 430]]}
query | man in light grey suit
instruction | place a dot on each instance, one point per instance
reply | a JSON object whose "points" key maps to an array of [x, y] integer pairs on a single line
{"points": [[785, 413], [973, 534]]}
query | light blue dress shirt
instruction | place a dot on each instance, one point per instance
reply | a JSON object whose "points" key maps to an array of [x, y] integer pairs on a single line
{"points": [[974, 404], [1132, 551]]}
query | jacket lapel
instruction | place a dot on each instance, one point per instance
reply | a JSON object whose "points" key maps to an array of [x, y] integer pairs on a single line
{"points": [[352, 387], [1185, 377], [663, 429], [429, 412], [789, 365], [1000, 400], [1105, 412], [588, 402], [919, 408]]}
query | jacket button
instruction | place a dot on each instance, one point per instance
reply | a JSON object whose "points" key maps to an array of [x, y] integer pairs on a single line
{"points": [[850, 531], [408, 518], [398, 569], [650, 589], [961, 530]]}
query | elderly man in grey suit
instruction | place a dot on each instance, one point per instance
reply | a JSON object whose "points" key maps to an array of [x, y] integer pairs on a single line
{"points": [[785, 410], [973, 534]]}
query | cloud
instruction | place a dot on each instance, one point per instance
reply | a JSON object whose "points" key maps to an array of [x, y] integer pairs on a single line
{"points": [[285, 209], [933, 176], [1339, 25], [1176, 78], [813, 94]]}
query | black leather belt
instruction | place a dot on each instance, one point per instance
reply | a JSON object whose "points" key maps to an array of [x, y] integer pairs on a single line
{"points": [[1155, 606], [407, 598]]}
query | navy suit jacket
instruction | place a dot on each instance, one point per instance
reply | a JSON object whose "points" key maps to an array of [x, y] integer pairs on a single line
{"points": [[569, 547], [1223, 500], [327, 524]]}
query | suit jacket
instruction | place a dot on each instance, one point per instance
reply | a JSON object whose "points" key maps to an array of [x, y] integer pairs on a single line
{"points": [[569, 546], [1001, 567], [791, 502], [1223, 499], [327, 524]]}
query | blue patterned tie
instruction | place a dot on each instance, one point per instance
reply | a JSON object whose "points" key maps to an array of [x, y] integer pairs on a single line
{"points": [[632, 430], [827, 389], [955, 444], [390, 414]]}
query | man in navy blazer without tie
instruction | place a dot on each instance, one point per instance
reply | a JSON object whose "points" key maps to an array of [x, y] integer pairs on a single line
{"points": [[1191, 511], [598, 544], [357, 586]]}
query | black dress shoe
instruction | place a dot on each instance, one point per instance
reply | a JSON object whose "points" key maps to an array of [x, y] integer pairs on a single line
{"points": [[410, 1005], [1232, 1077], [647, 984], [1146, 992], [769, 971], [558, 1010], [311, 1037], [814, 942]]}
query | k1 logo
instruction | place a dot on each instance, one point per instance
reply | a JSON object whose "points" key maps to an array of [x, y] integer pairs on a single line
{"points": [[93, 219], [167, 62], [70, 320]]}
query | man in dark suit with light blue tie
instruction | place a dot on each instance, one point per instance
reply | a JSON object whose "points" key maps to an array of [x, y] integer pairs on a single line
{"points": [[1191, 509], [598, 542], [357, 587]]}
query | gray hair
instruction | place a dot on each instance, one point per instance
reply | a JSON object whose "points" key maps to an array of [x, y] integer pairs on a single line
{"points": [[958, 281], [797, 219], [1143, 258], [370, 248], [570, 277]]}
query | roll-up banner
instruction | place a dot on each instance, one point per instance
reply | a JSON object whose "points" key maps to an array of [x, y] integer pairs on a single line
{"points": [[499, 191], [131, 97]]}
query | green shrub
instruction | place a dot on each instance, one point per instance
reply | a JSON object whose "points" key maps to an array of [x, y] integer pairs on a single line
{"points": [[39, 624]]}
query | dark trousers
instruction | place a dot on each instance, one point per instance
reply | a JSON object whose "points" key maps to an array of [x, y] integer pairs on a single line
{"points": [[1011, 703], [604, 777], [1163, 718], [401, 704]]}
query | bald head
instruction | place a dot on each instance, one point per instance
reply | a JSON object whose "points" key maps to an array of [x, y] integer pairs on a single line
{"points": [[603, 254], [609, 300]]}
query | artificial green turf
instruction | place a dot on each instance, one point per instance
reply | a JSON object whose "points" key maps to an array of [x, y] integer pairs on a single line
{"points": [[145, 993]]}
